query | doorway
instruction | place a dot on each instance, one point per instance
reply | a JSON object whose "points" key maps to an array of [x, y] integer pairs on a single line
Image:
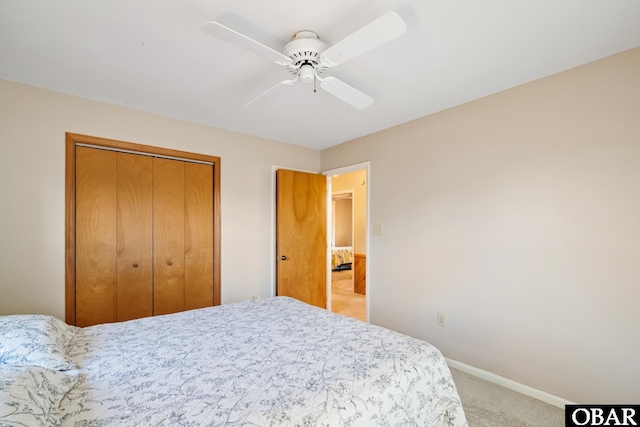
{"points": [[348, 242], [360, 241]]}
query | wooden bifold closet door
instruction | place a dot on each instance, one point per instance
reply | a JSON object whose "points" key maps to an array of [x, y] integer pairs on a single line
{"points": [[183, 236], [144, 236]]}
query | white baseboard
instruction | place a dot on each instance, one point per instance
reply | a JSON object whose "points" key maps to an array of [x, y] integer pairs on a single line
{"points": [[510, 384]]}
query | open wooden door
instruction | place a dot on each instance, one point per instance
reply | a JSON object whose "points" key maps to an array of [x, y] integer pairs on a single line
{"points": [[301, 236]]}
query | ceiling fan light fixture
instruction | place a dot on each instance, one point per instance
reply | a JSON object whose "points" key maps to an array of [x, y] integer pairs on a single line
{"points": [[307, 73]]}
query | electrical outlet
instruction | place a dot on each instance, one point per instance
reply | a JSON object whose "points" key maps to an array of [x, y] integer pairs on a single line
{"points": [[254, 297], [441, 319]]}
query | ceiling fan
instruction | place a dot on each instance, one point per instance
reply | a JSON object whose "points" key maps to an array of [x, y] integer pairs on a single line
{"points": [[307, 57]]}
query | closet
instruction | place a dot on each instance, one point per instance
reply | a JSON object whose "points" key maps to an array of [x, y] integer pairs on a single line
{"points": [[144, 231]]}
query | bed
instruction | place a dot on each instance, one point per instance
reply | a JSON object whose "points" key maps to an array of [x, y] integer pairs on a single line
{"points": [[341, 258], [274, 362]]}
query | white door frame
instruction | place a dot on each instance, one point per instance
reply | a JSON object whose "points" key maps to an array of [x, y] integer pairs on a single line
{"points": [[339, 171]]}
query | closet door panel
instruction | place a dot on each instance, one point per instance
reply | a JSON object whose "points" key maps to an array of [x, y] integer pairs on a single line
{"points": [[168, 235], [134, 236], [198, 233], [95, 236]]}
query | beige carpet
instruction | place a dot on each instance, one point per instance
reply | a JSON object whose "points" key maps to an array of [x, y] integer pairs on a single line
{"points": [[343, 300], [490, 405]]}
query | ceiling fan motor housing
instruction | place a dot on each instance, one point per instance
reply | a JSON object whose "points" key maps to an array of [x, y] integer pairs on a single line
{"points": [[304, 51]]}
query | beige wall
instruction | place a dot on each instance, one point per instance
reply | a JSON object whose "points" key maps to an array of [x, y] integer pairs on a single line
{"points": [[343, 222], [355, 181], [33, 123], [518, 216]]}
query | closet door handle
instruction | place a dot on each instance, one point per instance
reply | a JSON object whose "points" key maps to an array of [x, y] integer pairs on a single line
{"points": [[283, 257], [135, 265], [169, 263]]}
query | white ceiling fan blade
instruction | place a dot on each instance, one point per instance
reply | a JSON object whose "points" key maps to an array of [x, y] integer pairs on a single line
{"points": [[345, 92], [385, 28], [218, 30], [270, 94]]}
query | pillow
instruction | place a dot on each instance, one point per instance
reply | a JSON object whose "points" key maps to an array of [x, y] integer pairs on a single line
{"points": [[31, 395], [35, 339]]}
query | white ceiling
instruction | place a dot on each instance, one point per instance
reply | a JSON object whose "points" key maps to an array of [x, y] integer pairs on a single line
{"points": [[150, 55]]}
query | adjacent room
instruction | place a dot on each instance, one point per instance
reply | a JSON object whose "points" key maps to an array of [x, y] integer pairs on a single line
{"points": [[263, 190], [348, 238]]}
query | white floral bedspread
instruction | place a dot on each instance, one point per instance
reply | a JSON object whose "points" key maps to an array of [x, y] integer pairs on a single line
{"points": [[276, 362]]}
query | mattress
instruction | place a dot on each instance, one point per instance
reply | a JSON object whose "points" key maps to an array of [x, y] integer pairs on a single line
{"points": [[275, 362]]}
